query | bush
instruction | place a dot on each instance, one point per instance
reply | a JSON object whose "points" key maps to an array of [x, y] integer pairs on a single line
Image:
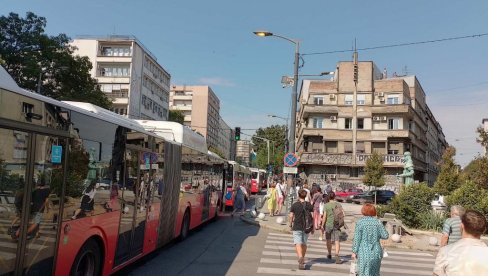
{"points": [[432, 220], [470, 196], [412, 201]]}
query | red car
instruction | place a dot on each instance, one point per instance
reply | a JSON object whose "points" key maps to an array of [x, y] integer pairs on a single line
{"points": [[347, 195]]}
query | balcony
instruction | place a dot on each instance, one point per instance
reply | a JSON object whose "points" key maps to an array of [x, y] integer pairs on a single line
{"points": [[392, 108], [320, 109], [389, 160]]}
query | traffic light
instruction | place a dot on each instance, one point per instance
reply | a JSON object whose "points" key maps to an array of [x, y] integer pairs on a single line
{"points": [[237, 136]]}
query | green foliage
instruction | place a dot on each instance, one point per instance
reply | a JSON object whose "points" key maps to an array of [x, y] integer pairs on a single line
{"points": [[483, 137], [449, 178], [477, 172], [432, 220], [470, 196], [29, 53], [176, 116], [374, 171], [276, 134], [412, 201]]}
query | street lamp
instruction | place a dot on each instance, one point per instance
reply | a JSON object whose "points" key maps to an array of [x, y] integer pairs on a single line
{"points": [[286, 129], [295, 85]]}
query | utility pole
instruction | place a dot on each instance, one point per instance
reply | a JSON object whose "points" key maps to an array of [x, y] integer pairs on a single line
{"points": [[354, 104]]}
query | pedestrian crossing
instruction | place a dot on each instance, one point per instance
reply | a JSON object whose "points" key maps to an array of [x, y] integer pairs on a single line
{"points": [[279, 258]]}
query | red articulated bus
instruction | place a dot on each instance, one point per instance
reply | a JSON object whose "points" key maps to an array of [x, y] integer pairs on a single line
{"points": [[84, 191], [258, 180], [235, 174]]}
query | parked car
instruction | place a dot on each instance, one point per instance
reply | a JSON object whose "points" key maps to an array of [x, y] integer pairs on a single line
{"points": [[382, 197], [347, 195]]}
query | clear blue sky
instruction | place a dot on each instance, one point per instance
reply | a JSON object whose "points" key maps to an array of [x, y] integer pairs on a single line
{"points": [[211, 42]]}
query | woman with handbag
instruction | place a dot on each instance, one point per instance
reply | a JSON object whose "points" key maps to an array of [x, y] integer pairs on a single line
{"points": [[366, 247]]}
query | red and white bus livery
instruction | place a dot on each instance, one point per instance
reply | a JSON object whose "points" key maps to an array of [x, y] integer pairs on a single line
{"points": [[258, 180], [86, 192], [235, 175]]}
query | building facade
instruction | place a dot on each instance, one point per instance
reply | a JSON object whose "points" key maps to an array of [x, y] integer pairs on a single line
{"points": [[225, 139], [390, 117], [128, 74], [201, 108], [243, 152]]}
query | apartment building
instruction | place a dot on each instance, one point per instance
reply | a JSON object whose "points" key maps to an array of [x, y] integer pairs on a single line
{"points": [[201, 108], [391, 117], [226, 143], [129, 74], [243, 152]]}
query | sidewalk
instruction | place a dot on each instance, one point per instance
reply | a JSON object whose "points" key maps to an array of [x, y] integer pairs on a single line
{"points": [[418, 241]]}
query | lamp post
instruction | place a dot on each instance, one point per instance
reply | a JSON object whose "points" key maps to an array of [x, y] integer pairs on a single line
{"points": [[295, 85], [286, 129]]}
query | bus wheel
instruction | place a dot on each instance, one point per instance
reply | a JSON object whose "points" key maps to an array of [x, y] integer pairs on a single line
{"points": [[185, 226], [87, 262]]}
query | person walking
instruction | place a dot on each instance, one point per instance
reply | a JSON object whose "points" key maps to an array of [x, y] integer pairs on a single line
{"points": [[332, 229], [316, 200], [325, 199], [272, 198], [308, 198], [451, 231], [366, 246], [467, 256], [281, 192], [297, 218], [240, 199]]}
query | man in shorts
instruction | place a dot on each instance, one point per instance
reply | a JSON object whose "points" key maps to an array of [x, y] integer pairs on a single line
{"points": [[297, 215], [332, 234]]}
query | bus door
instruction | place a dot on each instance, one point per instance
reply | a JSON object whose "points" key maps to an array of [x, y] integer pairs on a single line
{"points": [[31, 181], [134, 209]]}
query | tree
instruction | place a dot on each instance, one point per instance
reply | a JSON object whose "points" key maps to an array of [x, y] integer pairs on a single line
{"points": [[470, 196], [277, 135], [176, 116], [477, 172], [374, 172], [448, 179], [483, 137], [28, 54]]}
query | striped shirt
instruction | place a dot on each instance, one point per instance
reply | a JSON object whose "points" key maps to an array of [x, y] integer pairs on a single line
{"points": [[452, 227]]}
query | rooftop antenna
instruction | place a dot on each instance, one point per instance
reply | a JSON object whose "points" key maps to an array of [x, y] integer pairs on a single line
{"points": [[405, 70]]}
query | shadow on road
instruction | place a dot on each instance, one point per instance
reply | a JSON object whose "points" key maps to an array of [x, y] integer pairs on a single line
{"points": [[211, 249]]}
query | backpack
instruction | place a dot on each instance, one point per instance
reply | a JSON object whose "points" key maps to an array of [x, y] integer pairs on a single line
{"points": [[338, 216], [307, 220]]}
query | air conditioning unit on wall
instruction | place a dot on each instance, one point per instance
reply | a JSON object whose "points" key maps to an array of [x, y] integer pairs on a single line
{"points": [[332, 96], [333, 118], [376, 118], [332, 176]]}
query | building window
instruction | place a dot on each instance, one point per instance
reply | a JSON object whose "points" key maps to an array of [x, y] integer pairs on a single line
{"points": [[393, 99], [331, 146], [347, 123], [361, 99], [348, 147], [116, 51], [27, 108], [114, 71], [317, 122], [394, 147], [355, 171], [360, 147], [393, 123], [348, 100], [360, 123], [318, 100]]}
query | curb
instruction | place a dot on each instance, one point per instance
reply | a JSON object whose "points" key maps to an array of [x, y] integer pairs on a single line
{"points": [[262, 225], [281, 230]]}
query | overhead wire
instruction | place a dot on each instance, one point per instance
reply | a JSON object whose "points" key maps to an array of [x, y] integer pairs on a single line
{"points": [[399, 44]]}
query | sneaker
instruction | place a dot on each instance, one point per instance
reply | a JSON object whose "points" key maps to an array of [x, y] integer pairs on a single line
{"points": [[301, 263], [329, 256], [320, 238], [338, 260]]}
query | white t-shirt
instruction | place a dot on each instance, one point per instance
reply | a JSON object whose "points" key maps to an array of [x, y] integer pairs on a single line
{"points": [[457, 259], [281, 189]]}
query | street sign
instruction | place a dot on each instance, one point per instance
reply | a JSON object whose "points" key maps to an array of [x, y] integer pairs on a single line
{"points": [[290, 159], [292, 170], [56, 153]]}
